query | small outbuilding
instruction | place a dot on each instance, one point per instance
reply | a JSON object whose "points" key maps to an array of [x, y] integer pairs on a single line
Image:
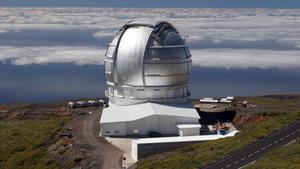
{"points": [[188, 129]]}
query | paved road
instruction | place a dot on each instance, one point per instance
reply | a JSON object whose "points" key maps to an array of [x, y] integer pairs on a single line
{"points": [[255, 150]]}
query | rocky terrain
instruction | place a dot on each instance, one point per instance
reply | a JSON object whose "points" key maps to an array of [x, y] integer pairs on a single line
{"points": [[75, 144]]}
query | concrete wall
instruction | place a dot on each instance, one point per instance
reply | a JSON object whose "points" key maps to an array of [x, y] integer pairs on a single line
{"points": [[139, 151], [158, 123], [142, 148], [189, 131], [161, 124], [144, 125], [168, 124]]}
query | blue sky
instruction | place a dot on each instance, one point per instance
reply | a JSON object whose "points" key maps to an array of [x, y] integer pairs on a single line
{"points": [[159, 3]]}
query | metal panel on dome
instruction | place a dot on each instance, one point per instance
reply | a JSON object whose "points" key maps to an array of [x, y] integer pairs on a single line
{"points": [[166, 69], [166, 80], [115, 40], [110, 51], [130, 56]]}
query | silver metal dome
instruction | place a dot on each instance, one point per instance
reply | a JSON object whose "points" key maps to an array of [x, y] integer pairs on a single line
{"points": [[147, 62]]}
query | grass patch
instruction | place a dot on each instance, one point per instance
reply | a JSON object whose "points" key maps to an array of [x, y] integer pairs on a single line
{"points": [[23, 143], [274, 105], [201, 154], [281, 157]]}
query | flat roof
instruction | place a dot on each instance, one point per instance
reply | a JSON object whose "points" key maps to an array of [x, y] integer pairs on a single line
{"points": [[115, 113], [209, 100], [183, 138], [182, 126]]}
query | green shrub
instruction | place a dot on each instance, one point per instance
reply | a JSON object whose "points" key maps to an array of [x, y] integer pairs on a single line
{"points": [[23, 143], [281, 157]]}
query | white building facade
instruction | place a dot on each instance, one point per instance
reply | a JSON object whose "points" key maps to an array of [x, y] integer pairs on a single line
{"points": [[143, 118]]}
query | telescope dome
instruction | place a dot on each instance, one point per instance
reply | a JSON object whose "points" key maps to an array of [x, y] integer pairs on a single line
{"points": [[147, 62]]}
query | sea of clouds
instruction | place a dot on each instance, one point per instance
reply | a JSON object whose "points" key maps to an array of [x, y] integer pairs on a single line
{"points": [[223, 38]]}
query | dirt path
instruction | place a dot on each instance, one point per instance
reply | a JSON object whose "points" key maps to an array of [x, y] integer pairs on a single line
{"points": [[86, 132]]}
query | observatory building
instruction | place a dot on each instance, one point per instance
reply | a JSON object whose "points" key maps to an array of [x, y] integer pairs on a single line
{"points": [[147, 66]]}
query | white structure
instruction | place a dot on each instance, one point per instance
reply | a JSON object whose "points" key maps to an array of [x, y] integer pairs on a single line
{"points": [[229, 97], [208, 100], [224, 100], [144, 147], [147, 66], [188, 129], [141, 119]]}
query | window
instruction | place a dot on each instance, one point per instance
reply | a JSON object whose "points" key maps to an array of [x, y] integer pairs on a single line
{"points": [[116, 131], [107, 132], [135, 131]]}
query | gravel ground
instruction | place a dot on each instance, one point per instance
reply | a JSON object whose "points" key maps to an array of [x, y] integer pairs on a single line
{"points": [[105, 155], [88, 150]]}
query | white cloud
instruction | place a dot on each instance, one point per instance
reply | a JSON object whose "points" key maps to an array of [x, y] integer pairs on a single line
{"points": [[246, 58], [103, 34], [228, 38], [222, 58], [216, 25], [56, 54], [3, 31]]}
